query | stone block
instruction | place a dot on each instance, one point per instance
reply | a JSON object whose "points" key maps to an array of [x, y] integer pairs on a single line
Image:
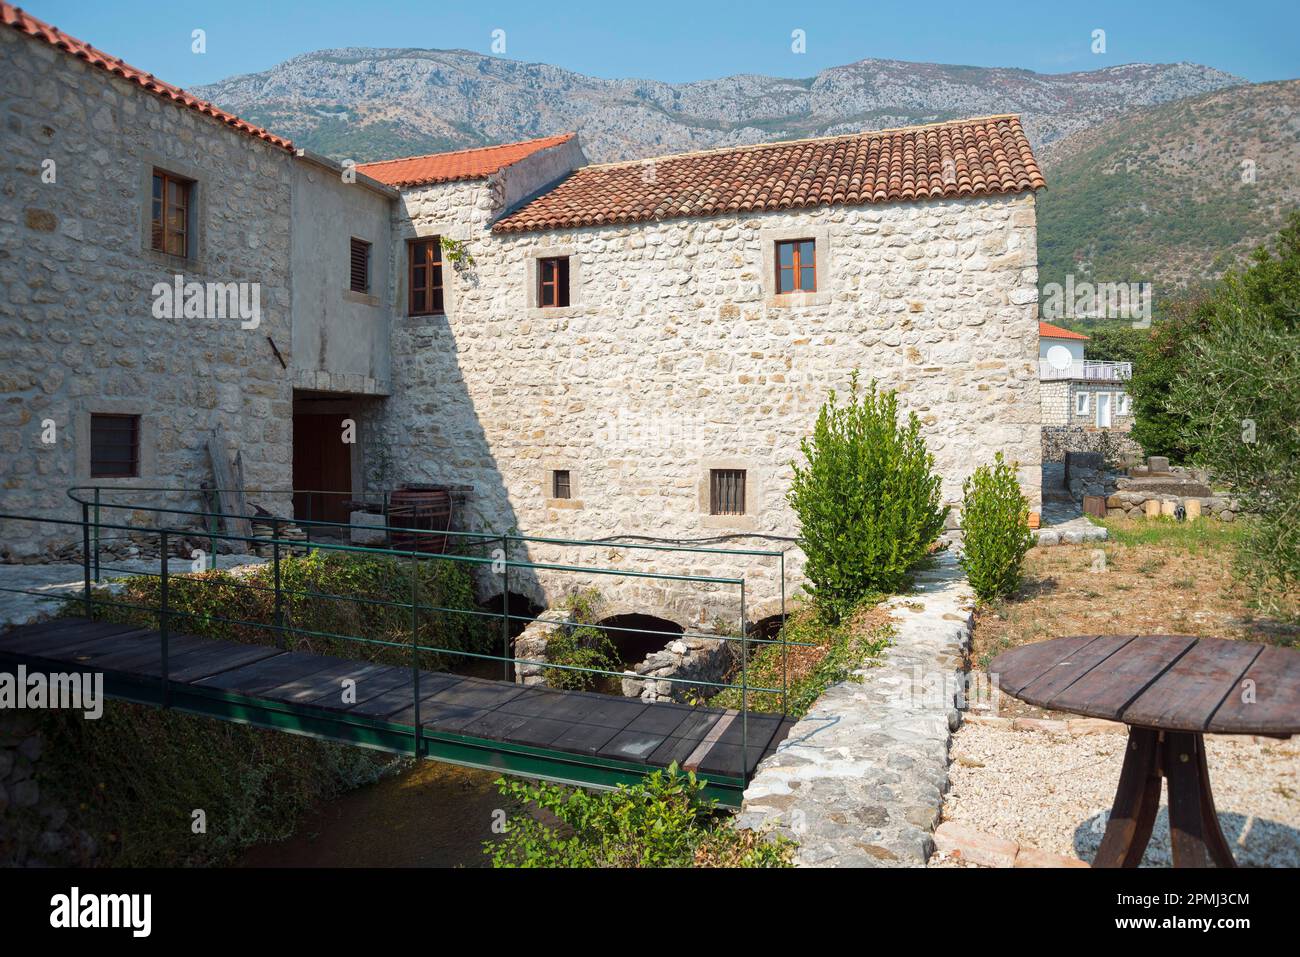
{"points": [[967, 844], [1094, 505], [1168, 507], [1033, 857], [1158, 465], [1152, 508], [364, 530], [1193, 506]]}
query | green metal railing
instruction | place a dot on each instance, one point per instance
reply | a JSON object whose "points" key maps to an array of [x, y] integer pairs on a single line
{"points": [[94, 503]]}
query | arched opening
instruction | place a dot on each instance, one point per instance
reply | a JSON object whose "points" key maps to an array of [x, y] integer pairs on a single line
{"points": [[636, 637], [521, 609]]}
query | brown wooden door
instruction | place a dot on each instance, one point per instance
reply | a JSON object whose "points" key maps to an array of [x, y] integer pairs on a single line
{"points": [[322, 463]]}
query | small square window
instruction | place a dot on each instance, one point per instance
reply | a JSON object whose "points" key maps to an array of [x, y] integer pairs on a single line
{"points": [[169, 214], [114, 446], [727, 491], [553, 281], [360, 281], [561, 486], [796, 266]]}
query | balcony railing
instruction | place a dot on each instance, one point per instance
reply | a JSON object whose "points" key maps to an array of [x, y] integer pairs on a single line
{"points": [[1092, 369]]}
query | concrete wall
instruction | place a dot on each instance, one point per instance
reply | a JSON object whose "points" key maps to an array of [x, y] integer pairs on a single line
{"points": [[76, 281], [676, 357], [340, 337]]}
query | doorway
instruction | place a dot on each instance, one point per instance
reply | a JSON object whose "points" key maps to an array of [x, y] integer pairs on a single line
{"points": [[1103, 410], [322, 466]]}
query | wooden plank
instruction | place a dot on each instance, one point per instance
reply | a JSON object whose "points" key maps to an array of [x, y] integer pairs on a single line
{"points": [[209, 662], [1137, 799], [1186, 696], [706, 744], [478, 693], [630, 745], [661, 718], [402, 696], [127, 654], [52, 641], [369, 687], [1019, 667], [305, 687], [1106, 690], [584, 739], [227, 483], [1071, 668], [1266, 700], [436, 717], [255, 678]]}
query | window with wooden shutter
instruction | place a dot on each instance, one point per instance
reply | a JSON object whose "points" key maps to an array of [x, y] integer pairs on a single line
{"points": [[727, 491], [360, 266], [796, 266], [553, 281], [561, 487], [114, 446], [425, 279], [170, 214]]}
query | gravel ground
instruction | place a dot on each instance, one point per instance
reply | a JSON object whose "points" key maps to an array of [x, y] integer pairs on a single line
{"points": [[1053, 791]]}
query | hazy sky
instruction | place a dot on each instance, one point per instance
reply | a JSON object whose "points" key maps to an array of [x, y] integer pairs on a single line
{"points": [[679, 41]]}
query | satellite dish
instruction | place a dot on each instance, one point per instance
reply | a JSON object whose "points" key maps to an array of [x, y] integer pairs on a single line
{"points": [[1059, 357]]}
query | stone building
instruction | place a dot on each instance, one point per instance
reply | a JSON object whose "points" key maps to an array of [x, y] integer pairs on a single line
{"points": [[592, 351], [1086, 405]]}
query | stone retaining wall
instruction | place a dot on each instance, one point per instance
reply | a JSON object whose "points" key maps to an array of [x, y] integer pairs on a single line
{"points": [[860, 779], [1114, 446], [34, 832]]}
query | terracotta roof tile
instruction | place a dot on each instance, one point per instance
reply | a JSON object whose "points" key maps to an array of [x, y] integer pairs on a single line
{"points": [[24, 22], [962, 158], [1048, 331], [478, 163]]}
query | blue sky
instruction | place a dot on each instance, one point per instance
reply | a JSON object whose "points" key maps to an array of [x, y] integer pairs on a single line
{"points": [[679, 41]]}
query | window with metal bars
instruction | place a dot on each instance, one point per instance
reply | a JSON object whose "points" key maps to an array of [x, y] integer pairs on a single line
{"points": [[425, 279], [796, 266], [727, 491], [360, 266], [561, 487], [114, 446], [170, 214], [553, 281]]}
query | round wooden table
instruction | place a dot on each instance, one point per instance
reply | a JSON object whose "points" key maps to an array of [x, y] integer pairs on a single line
{"points": [[1169, 690]]}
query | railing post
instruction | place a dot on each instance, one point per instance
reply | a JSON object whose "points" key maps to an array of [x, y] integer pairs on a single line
{"points": [[415, 649], [744, 686], [279, 592], [85, 557], [505, 612], [96, 534], [785, 646], [163, 622]]}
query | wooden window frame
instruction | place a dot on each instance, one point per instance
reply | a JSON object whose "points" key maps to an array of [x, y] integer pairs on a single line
{"points": [[363, 247], [553, 284], [431, 289], [719, 492], [562, 483], [797, 265], [134, 466], [158, 229]]}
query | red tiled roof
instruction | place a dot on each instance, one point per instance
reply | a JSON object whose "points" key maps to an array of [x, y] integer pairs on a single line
{"points": [[24, 22], [1048, 331], [964, 158], [478, 163]]}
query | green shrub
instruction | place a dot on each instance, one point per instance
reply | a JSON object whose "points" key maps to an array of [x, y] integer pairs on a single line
{"points": [[580, 645], [995, 530], [867, 498], [660, 822]]}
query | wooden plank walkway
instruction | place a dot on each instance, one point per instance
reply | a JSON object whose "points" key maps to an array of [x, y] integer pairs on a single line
{"points": [[583, 724]]}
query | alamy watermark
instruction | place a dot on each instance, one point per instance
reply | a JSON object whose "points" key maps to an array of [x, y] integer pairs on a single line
{"points": [[42, 691], [208, 300], [1129, 301]]}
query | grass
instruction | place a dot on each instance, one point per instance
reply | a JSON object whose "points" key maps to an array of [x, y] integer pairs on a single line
{"points": [[1153, 576]]}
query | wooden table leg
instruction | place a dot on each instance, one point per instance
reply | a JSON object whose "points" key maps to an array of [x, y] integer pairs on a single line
{"points": [[1136, 801], [1194, 833]]}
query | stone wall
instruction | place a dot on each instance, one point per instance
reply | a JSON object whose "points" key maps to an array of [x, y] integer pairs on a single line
{"points": [[76, 281], [34, 831], [1114, 446], [676, 357]]}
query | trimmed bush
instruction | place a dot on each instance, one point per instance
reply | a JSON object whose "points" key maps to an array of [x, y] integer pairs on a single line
{"points": [[661, 821], [995, 527], [867, 498]]}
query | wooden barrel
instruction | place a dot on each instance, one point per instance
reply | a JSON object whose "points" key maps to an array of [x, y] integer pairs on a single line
{"points": [[423, 507]]}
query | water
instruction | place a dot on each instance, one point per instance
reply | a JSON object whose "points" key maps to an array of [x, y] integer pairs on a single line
{"points": [[432, 815]]}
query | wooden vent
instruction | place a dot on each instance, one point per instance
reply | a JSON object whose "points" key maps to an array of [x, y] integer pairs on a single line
{"points": [[114, 446], [360, 265], [727, 491]]}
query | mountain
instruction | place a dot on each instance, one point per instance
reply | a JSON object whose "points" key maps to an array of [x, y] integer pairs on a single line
{"points": [[368, 104], [1167, 193]]}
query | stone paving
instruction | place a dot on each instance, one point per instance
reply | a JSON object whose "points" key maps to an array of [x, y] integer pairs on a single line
{"points": [[67, 579], [860, 779]]}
